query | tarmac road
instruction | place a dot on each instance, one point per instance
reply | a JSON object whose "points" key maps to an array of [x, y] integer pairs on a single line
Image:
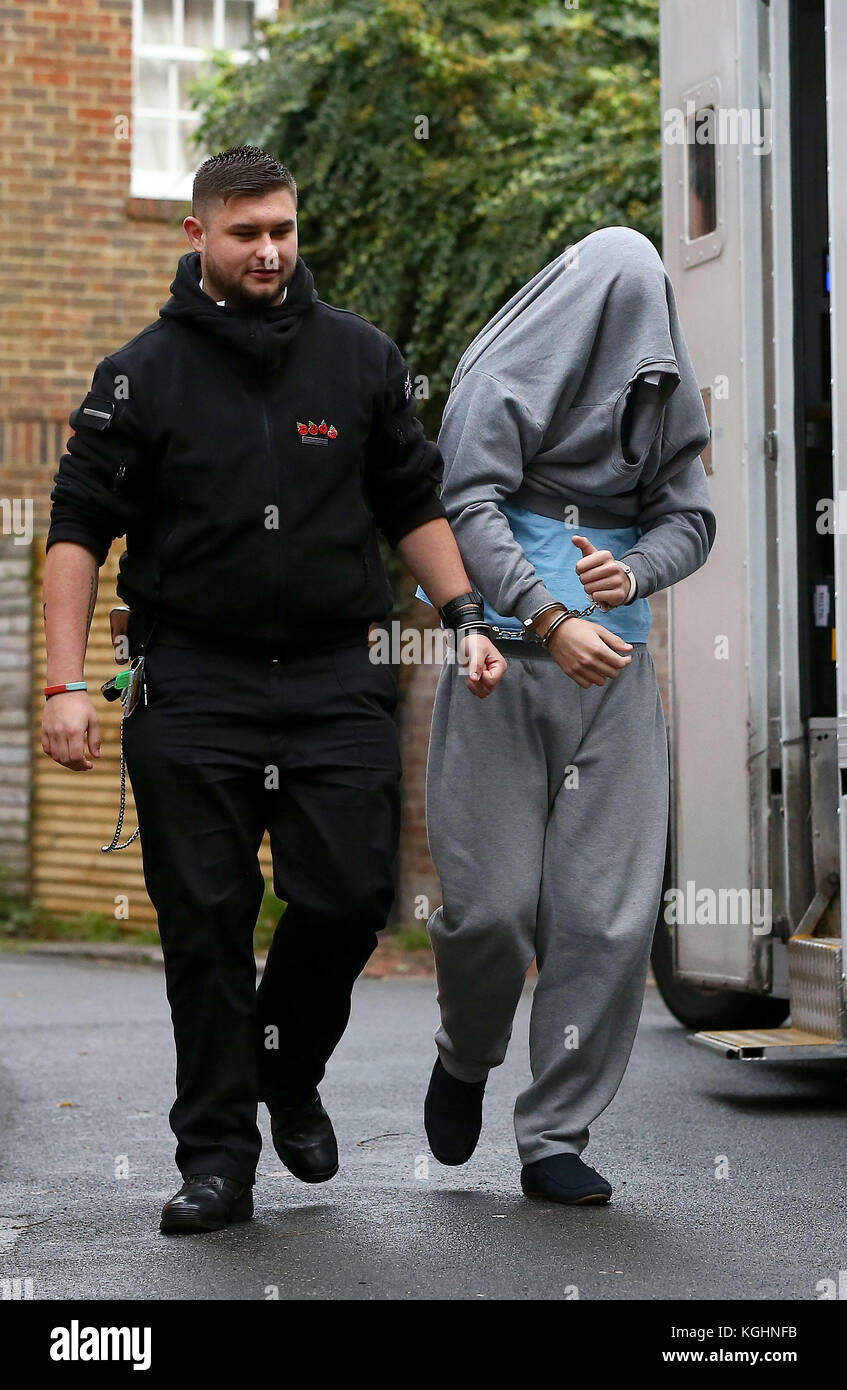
{"points": [[86, 1078]]}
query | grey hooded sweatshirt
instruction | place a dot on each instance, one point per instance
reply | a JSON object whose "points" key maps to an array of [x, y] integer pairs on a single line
{"points": [[548, 408]]}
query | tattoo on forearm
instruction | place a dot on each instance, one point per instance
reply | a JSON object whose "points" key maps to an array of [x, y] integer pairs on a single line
{"points": [[92, 599]]}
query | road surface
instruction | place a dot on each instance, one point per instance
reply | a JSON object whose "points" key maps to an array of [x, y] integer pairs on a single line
{"points": [[86, 1077]]}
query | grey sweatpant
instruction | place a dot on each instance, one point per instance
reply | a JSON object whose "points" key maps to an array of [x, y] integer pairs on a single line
{"points": [[547, 822]]}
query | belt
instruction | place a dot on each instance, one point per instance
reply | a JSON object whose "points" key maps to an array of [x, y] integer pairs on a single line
{"points": [[593, 514]]}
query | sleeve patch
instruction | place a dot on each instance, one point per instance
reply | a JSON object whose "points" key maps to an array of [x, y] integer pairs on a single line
{"points": [[96, 412]]}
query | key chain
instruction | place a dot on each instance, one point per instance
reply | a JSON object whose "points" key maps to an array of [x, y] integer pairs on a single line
{"points": [[126, 686]]}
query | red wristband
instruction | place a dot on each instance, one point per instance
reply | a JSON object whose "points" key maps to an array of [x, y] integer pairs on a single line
{"points": [[60, 689]]}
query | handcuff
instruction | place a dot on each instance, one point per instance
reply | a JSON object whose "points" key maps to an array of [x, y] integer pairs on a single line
{"points": [[529, 633]]}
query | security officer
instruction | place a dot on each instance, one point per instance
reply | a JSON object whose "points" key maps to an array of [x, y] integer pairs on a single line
{"points": [[247, 444]]}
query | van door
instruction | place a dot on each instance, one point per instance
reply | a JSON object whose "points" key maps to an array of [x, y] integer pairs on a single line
{"points": [[723, 716]]}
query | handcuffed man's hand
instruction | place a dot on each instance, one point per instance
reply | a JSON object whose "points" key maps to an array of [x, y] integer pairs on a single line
{"points": [[601, 575], [588, 653]]}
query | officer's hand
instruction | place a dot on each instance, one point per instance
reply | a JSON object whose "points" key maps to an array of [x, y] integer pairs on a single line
{"points": [[588, 653], [485, 664], [70, 718]]}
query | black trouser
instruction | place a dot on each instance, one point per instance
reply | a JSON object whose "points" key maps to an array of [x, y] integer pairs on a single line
{"points": [[226, 747]]}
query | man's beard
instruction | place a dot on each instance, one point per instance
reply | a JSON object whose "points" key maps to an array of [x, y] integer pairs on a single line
{"points": [[235, 296]]}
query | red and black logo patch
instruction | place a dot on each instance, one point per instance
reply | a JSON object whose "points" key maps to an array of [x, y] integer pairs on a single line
{"points": [[310, 433]]}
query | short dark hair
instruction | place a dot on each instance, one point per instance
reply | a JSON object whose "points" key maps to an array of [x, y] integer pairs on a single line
{"points": [[242, 169]]}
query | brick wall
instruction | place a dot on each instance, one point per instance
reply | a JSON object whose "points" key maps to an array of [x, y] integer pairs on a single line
{"points": [[83, 266]]}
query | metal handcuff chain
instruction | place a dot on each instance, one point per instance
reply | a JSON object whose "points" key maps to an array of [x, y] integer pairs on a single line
{"points": [[584, 612], [504, 633], [129, 699]]}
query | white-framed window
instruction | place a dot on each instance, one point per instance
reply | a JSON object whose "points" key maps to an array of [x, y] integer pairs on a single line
{"points": [[171, 44]]}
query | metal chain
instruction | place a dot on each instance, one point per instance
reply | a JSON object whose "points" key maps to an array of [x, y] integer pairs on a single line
{"points": [[575, 612], [106, 849]]}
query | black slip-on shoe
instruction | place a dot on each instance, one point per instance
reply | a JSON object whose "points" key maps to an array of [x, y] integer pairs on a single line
{"points": [[564, 1178], [207, 1203], [452, 1115], [305, 1140]]}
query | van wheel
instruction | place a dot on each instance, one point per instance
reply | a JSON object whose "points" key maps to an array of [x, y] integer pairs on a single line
{"points": [[698, 1006]]}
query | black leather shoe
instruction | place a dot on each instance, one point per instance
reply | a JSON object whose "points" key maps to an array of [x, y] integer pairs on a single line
{"points": [[564, 1178], [452, 1115], [305, 1139], [207, 1203]]}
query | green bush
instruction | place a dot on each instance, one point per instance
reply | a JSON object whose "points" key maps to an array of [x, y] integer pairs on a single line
{"points": [[411, 939], [269, 914]]}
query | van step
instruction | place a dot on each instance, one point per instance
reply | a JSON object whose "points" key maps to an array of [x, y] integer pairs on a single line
{"points": [[814, 973], [754, 1044]]}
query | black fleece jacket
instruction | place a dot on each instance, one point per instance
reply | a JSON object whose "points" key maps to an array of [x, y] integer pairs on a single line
{"points": [[248, 459]]}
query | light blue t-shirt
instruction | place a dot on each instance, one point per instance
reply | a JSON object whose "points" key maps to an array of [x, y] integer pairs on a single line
{"points": [[548, 546]]}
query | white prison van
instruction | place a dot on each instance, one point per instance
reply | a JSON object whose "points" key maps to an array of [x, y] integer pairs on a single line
{"points": [[748, 946]]}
